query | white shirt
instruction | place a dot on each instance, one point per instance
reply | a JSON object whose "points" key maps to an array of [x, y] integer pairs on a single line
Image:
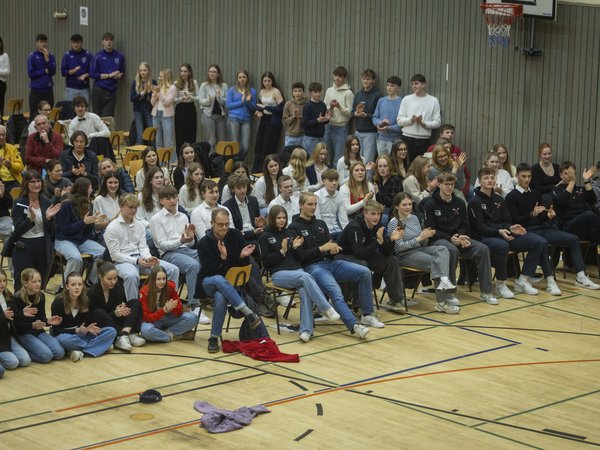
{"points": [[201, 216], [246, 219], [260, 190], [503, 180], [352, 208], [415, 105], [140, 176], [167, 228], [291, 206], [344, 171], [106, 205], [38, 228], [4, 67], [145, 216], [331, 210], [185, 201], [91, 124], [126, 242]]}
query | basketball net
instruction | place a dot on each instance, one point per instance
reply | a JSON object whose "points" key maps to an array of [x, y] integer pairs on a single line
{"points": [[499, 17]]}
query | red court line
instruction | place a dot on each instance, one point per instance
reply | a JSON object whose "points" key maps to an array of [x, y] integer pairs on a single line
{"points": [[105, 400], [351, 386]]}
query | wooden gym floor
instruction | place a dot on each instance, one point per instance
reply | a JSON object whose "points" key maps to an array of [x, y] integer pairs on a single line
{"points": [[523, 374]]}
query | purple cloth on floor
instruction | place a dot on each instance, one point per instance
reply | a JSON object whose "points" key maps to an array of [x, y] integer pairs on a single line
{"points": [[217, 420]]}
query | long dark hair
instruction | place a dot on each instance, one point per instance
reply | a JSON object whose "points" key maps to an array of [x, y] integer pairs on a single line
{"points": [[272, 217], [80, 196], [269, 190], [147, 199], [218, 80], [104, 186], [82, 300], [154, 301], [143, 156], [269, 75], [180, 84], [180, 160], [1, 46], [192, 189], [29, 175]]}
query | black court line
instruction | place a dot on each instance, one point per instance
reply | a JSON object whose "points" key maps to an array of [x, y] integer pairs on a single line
{"points": [[298, 385], [559, 435], [562, 433], [319, 409], [303, 435], [538, 330]]}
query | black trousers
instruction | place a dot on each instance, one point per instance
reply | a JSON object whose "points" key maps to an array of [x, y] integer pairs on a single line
{"points": [[2, 97], [35, 97], [185, 124], [416, 147], [104, 101], [33, 253]]}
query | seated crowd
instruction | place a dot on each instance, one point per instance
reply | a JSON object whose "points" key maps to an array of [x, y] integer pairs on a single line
{"points": [[393, 203]]}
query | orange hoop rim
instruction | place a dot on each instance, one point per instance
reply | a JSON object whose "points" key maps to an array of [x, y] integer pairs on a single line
{"points": [[505, 10]]}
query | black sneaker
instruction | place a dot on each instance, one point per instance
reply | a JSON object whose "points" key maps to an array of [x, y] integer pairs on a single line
{"points": [[213, 344], [253, 321]]}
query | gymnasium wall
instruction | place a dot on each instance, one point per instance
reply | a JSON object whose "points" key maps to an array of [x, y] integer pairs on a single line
{"points": [[491, 95]]}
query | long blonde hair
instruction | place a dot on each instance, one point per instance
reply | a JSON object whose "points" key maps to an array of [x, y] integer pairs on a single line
{"points": [[138, 79], [416, 170], [356, 185], [298, 165], [26, 277], [167, 80], [193, 189]]}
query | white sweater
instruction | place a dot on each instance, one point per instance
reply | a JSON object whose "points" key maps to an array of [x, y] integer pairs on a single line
{"points": [[427, 106]]}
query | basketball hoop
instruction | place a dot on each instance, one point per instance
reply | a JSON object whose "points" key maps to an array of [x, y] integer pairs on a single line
{"points": [[499, 17]]}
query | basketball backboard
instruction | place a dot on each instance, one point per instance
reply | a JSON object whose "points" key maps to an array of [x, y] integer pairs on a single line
{"points": [[538, 9]]}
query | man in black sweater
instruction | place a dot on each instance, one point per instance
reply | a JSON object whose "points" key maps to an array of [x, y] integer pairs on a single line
{"points": [[364, 241], [525, 207], [447, 215], [317, 254], [220, 249], [575, 204]]}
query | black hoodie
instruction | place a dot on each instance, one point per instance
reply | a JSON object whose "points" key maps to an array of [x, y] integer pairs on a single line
{"points": [[447, 218], [315, 233], [488, 215], [358, 240], [270, 246]]}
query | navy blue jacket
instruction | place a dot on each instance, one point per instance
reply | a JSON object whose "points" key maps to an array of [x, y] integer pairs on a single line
{"points": [[72, 59], [105, 62], [36, 69]]}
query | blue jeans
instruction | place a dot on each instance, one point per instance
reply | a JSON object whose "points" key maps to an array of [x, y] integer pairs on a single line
{"points": [[224, 294], [309, 143], [42, 348], [178, 325], [296, 141], [143, 120], [368, 145], [309, 291], [214, 129], [335, 139], [239, 131], [72, 254], [17, 356], [165, 130], [186, 259], [131, 276], [328, 273], [93, 345], [71, 93]]}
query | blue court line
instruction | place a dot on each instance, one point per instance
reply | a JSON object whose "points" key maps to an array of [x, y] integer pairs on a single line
{"points": [[426, 365]]}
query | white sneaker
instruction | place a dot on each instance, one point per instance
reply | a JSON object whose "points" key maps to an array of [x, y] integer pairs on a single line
{"points": [[371, 321], [203, 319], [534, 280], [488, 298], [122, 343], [412, 302], [453, 300], [305, 336], [284, 300], [331, 314], [586, 283], [446, 308], [552, 288], [524, 286], [503, 291], [360, 330], [445, 286], [76, 355], [135, 340]]}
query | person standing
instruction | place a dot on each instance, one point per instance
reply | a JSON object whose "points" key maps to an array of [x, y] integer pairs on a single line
{"points": [[363, 109], [212, 104], [4, 72], [339, 99], [108, 67], [75, 67], [41, 67], [419, 114], [186, 96]]}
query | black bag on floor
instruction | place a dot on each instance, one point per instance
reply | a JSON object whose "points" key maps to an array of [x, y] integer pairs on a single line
{"points": [[15, 125]]}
